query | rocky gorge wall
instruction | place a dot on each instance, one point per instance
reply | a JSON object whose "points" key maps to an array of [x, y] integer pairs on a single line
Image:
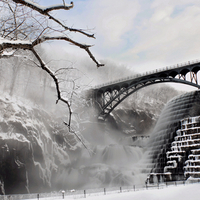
{"points": [[30, 157], [39, 154]]}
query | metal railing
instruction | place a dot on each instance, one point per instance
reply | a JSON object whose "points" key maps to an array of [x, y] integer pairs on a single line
{"points": [[74, 194], [148, 73]]}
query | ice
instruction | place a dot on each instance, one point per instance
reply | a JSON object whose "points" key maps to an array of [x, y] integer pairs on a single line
{"points": [[177, 131]]}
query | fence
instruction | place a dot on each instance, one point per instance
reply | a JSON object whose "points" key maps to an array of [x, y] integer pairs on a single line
{"points": [[74, 194]]}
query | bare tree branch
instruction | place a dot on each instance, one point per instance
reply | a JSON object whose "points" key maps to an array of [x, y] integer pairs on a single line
{"points": [[64, 2], [46, 10], [14, 44], [7, 54], [14, 29], [24, 25], [83, 46], [89, 150], [59, 97]]}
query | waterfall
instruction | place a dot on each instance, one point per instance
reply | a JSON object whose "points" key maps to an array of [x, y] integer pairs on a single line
{"points": [[184, 106], [36, 146]]}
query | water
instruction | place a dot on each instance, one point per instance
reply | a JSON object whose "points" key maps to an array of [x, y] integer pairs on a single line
{"points": [[39, 155], [59, 162], [186, 105]]}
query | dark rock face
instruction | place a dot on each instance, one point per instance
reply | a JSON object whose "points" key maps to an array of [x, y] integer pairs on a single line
{"points": [[137, 122], [13, 170], [38, 154], [30, 157], [186, 105]]}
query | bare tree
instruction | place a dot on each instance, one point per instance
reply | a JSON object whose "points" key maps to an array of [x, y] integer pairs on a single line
{"points": [[25, 24]]}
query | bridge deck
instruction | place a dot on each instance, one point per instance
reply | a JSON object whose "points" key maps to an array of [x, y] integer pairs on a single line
{"points": [[111, 94], [146, 75]]}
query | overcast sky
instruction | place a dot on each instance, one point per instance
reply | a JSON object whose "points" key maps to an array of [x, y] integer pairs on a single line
{"points": [[142, 34]]}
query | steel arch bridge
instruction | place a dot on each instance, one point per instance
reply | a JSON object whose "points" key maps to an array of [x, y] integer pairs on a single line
{"points": [[110, 95]]}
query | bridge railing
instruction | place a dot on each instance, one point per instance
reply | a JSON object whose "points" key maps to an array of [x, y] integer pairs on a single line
{"points": [[148, 73]]}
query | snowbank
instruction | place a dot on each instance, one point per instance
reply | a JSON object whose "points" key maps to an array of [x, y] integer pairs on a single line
{"points": [[174, 192]]}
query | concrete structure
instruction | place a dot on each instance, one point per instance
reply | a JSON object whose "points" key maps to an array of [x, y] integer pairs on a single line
{"points": [[183, 161]]}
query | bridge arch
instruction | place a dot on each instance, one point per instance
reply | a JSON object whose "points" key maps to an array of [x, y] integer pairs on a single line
{"points": [[111, 95]]}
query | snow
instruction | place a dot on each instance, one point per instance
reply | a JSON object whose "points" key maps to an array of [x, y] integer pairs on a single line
{"points": [[35, 4], [179, 192], [6, 53], [3, 41], [46, 7], [16, 136]]}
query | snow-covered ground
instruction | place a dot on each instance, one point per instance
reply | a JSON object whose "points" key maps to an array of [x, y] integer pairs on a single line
{"points": [[180, 192]]}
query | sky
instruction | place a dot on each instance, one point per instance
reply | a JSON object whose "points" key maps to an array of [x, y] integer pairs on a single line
{"points": [[143, 35]]}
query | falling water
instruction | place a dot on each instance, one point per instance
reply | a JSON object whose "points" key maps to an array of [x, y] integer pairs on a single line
{"points": [[186, 105], [37, 154], [55, 160]]}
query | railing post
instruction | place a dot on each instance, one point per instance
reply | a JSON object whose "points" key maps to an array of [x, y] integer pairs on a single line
{"points": [[120, 189], [63, 195], [38, 196], [104, 191], [84, 193]]}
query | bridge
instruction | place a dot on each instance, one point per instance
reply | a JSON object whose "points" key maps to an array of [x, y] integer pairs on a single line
{"points": [[109, 95]]}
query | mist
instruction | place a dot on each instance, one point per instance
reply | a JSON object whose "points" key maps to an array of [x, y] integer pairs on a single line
{"points": [[112, 157]]}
